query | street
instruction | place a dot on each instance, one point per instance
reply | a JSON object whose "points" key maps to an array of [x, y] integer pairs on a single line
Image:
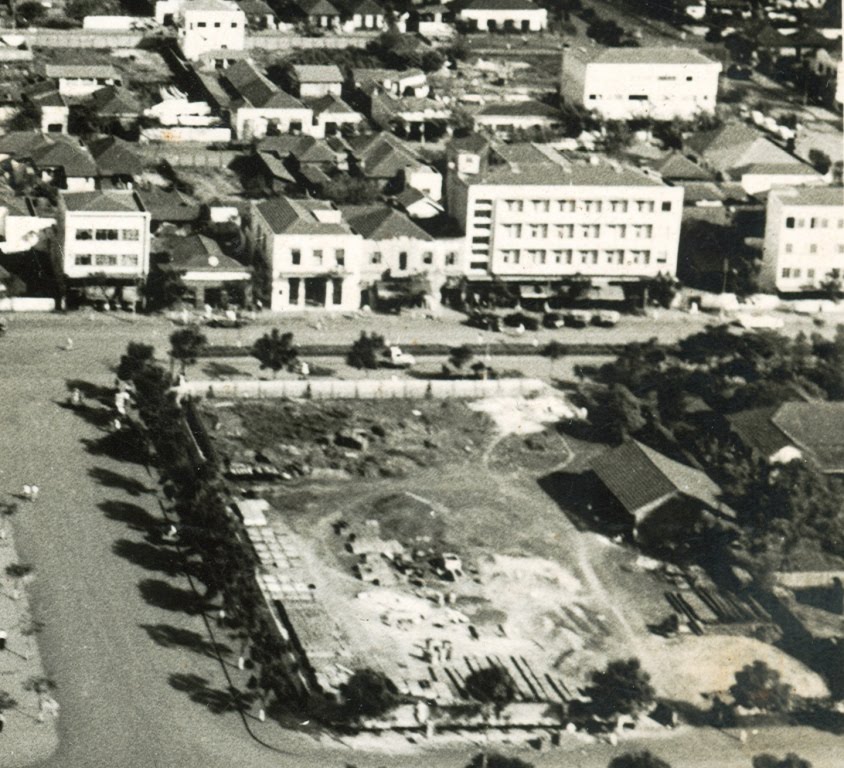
{"points": [[139, 681]]}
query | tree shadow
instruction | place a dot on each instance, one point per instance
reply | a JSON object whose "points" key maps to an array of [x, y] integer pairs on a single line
{"points": [[148, 556], [132, 515], [216, 700], [115, 480], [94, 415], [126, 445], [161, 594], [168, 636], [586, 502], [217, 370], [91, 391]]}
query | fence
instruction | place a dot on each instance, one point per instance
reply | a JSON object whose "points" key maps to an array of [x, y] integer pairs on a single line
{"points": [[79, 38], [364, 389], [272, 40]]}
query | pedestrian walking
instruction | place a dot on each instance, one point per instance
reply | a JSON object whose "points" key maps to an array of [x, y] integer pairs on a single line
{"points": [[34, 491], [3, 637]]}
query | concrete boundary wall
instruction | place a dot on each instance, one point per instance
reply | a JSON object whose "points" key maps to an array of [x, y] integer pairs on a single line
{"points": [[272, 40], [364, 389], [806, 579], [79, 38]]}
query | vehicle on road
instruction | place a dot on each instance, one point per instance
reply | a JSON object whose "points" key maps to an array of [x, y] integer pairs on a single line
{"points": [[394, 357], [606, 318], [760, 322], [577, 318]]}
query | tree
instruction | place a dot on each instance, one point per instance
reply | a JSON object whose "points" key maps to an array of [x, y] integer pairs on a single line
{"points": [[662, 289], [791, 760], [832, 285], [460, 356], [758, 686], [137, 357], [79, 9], [643, 759], [820, 160], [617, 410], [349, 190], [186, 344], [366, 351], [492, 686], [30, 11], [164, 287], [623, 688], [275, 350], [432, 61], [27, 118], [368, 693], [617, 135], [553, 350]]}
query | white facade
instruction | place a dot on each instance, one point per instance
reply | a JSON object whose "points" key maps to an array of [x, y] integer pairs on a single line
{"points": [[85, 86], [626, 83], [254, 122], [207, 26], [111, 240], [804, 238], [500, 19], [21, 231]]}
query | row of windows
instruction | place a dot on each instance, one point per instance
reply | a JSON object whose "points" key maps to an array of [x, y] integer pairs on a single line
{"points": [[318, 256], [813, 248], [813, 223], [581, 206], [106, 260], [638, 231], [795, 273], [107, 234], [216, 25], [540, 257]]}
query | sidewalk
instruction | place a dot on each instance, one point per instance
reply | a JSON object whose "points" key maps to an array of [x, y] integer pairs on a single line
{"points": [[24, 739]]}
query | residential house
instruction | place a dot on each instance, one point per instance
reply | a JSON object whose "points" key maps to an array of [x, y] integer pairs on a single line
{"points": [[408, 82], [825, 65], [206, 272], [77, 77], [320, 14], [169, 206], [804, 238], [628, 83], [51, 106], [118, 164], [432, 21], [504, 16], [533, 215], [365, 15], [507, 118], [417, 205], [310, 253], [23, 224], [394, 165], [103, 238], [330, 115], [737, 152], [312, 81], [408, 116], [656, 492], [114, 106], [285, 161], [207, 28], [257, 106], [58, 160], [258, 14], [796, 431]]}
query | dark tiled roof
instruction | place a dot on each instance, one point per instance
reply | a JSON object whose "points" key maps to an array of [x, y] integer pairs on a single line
{"points": [[67, 154], [45, 94], [318, 8], [114, 100], [812, 196], [115, 157], [677, 166], [117, 202], [256, 90], [332, 104], [757, 430], [382, 155], [381, 222], [198, 253], [366, 7], [529, 108], [21, 143], [300, 217], [169, 205], [502, 5], [639, 476], [306, 149]]}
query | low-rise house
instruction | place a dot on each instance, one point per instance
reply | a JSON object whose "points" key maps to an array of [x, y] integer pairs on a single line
{"points": [[320, 14], [507, 118], [76, 77], [799, 431], [206, 28], [61, 161], [287, 160], [409, 116], [115, 106], [417, 205], [408, 82], [312, 81], [310, 253], [206, 272], [257, 106], [504, 15], [825, 64], [169, 207], [431, 21], [657, 492], [103, 239], [365, 15], [385, 159], [52, 107], [804, 238], [118, 165], [737, 152], [627, 83], [258, 14], [331, 113]]}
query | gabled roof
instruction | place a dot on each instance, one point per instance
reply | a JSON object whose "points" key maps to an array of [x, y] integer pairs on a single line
{"points": [[275, 166], [45, 94], [677, 166], [256, 90], [113, 200], [734, 145], [198, 253], [502, 5], [382, 155], [306, 149], [114, 100], [817, 427], [381, 222], [639, 476], [67, 154], [770, 37], [806, 37], [301, 217], [529, 108], [21, 143], [366, 7], [793, 168], [210, 5], [317, 73], [330, 104], [115, 157], [169, 205], [318, 7], [756, 429], [255, 8]]}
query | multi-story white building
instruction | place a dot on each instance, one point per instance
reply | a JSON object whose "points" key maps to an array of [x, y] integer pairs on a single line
{"points": [[530, 214], [311, 255], [102, 236], [804, 238], [626, 83], [205, 26], [504, 15]]}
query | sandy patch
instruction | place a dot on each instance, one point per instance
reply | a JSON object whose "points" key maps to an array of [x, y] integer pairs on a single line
{"points": [[687, 668], [523, 416]]}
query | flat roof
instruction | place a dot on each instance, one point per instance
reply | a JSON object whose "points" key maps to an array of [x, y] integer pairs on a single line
{"points": [[653, 55]]}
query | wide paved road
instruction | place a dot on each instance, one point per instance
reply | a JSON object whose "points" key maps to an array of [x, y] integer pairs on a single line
{"points": [[136, 684]]}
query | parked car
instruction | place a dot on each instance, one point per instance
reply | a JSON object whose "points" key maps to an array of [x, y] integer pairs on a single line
{"points": [[395, 358], [553, 320], [606, 318], [516, 319], [577, 318], [486, 321]]}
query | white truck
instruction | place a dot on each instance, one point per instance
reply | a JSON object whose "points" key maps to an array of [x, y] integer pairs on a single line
{"points": [[395, 358]]}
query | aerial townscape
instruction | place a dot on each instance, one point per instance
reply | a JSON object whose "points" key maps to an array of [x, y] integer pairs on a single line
{"points": [[400, 384]]}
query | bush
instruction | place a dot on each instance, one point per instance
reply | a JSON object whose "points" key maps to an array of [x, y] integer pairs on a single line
{"points": [[758, 686], [515, 319], [368, 693]]}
